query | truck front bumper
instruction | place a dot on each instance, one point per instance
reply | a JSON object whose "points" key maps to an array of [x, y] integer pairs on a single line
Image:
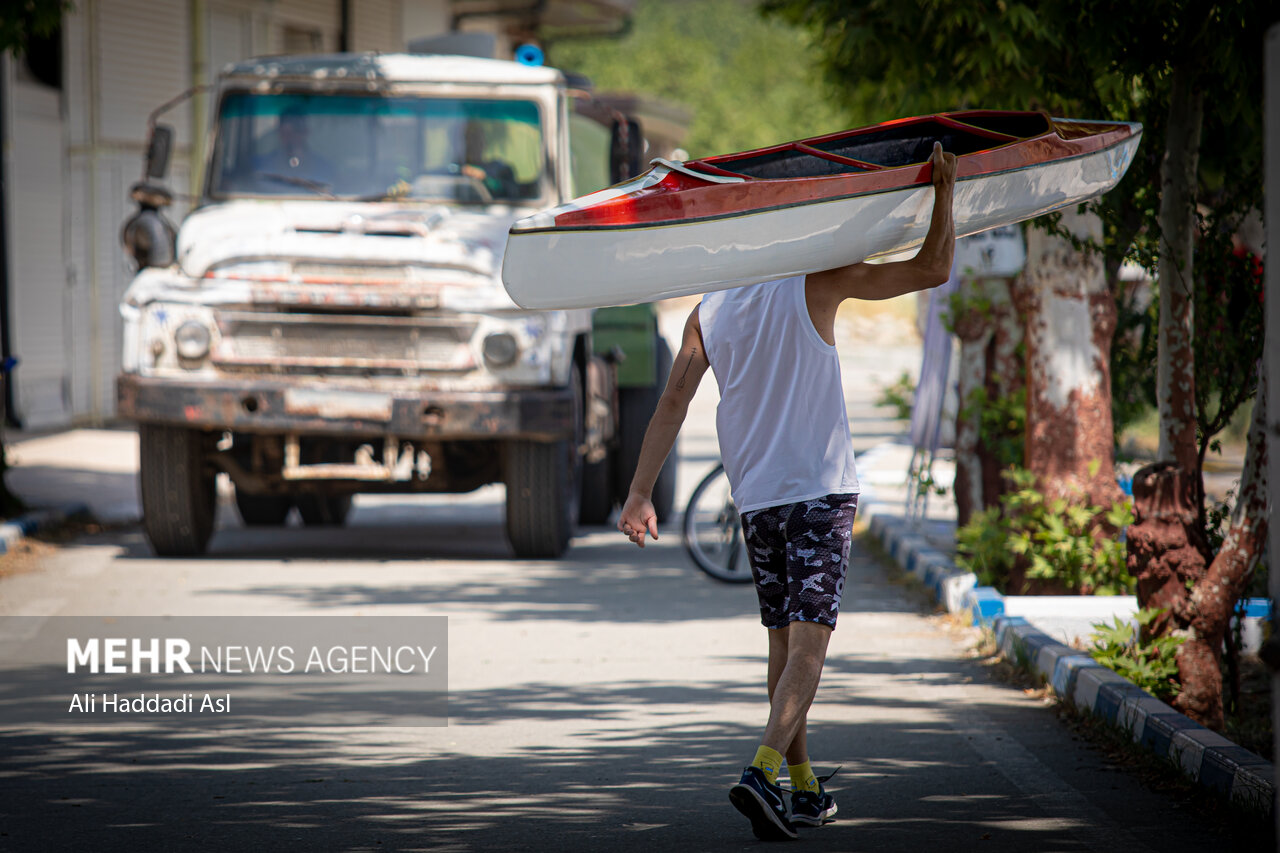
{"points": [[315, 409]]}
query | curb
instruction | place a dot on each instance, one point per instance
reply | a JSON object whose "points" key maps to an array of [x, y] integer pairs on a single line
{"points": [[24, 525], [1207, 757], [1204, 755]]}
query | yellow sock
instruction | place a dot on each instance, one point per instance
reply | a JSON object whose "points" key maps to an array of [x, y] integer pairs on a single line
{"points": [[768, 760], [802, 778]]}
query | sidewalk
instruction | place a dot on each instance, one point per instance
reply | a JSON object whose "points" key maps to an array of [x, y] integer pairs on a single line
{"points": [[1045, 633], [93, 468]]}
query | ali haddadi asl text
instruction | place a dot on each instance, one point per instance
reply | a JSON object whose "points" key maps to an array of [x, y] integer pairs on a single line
{"points": [[149, 703]]}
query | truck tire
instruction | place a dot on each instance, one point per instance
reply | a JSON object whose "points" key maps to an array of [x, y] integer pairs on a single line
{"points": [[323, 510], [597, 491], [263, 510], [177, 489], [636, 407], [544, 489]]}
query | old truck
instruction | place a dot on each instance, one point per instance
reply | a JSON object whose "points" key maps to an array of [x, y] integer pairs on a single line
{"points": [[329, 319]]}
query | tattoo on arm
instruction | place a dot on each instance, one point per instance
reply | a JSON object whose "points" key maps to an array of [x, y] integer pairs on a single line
{"points": [[692, 352]]}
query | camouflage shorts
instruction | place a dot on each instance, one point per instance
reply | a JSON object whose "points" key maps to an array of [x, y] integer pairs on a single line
{"points": [[799, 553]]}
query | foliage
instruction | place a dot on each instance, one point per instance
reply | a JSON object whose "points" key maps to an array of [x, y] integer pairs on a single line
{"points": [[900, 396], [1056, 540], [1151, 665], [748, 82], [1002, 423], [1094, 58], [1133, 352], [1229, 325], [1002, 419], [24, 21]]}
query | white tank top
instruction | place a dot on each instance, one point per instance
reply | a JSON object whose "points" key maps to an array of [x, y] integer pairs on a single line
{"points": [[783, 428]]}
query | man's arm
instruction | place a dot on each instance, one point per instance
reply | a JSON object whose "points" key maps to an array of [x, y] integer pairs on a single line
{"points": [[638, 515], [930, 267]]}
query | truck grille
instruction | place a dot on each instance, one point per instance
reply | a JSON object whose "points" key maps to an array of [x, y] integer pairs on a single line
{"points": [[319, 342]]}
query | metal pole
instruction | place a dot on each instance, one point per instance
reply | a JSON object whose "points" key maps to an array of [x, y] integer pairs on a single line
{"points": [[7, 416]]}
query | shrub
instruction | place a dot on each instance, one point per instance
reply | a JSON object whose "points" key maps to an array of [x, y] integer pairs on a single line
{"points": [[1053, 540], [900, 395], [1151, 665]]}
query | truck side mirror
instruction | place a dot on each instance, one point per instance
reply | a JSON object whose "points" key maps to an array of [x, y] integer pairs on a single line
{"points": [[158, 148], [626, 150]]}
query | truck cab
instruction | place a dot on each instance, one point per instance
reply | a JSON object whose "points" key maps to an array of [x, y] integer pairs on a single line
{"points": [[330, 317]]}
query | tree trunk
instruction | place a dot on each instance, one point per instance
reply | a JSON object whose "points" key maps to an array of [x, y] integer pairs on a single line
{"points": [[1175, 368], [1069, 317], [1207, 610], [1167, 549], [972, 326], [1006, 373]]}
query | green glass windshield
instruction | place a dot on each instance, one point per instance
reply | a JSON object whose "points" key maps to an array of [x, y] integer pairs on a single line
{"points": [[469, 151]]}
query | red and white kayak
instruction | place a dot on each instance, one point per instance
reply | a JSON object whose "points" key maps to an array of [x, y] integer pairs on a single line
{"points": [[689, 227]]}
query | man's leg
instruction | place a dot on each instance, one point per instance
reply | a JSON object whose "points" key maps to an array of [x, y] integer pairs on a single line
{"points": [[757, 794], [797, 684], [797, 752]]}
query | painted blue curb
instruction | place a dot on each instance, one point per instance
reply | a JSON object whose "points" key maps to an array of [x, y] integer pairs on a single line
{"points": [[985, 603], [1204, 755], [35, 521]]}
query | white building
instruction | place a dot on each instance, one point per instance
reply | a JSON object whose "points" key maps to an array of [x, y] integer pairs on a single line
{"points": [[74, 115]]}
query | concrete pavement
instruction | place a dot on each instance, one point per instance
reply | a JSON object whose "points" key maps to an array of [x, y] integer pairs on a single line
{"points": [[603, 701]]}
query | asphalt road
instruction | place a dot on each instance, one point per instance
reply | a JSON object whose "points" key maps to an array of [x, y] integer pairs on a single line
{"points": [[605, 701]]}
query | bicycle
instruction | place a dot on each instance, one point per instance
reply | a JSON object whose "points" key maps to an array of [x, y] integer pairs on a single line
{"points": [[713, 530]]}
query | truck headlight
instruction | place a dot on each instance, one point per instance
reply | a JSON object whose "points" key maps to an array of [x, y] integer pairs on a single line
{"points": [[500, 349], [192, 340]]}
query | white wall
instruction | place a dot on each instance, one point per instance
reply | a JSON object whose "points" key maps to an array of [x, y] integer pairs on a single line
{"points": [[421, 18], [38, 294]]}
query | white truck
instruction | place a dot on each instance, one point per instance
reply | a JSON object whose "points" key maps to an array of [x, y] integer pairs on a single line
{"points": [[330, 318]]}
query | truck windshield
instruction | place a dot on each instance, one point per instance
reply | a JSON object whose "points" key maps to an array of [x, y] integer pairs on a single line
{"points": [[469, 151]]}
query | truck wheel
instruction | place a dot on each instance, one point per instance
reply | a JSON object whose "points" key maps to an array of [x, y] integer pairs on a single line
{"points": [[263, 510], [636, 407], [323, 510], [177, 488], [597, 491], [543, 489]]}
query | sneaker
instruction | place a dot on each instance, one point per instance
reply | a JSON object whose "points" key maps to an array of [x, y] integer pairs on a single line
{"points": [[764, 804], [813, 809]]}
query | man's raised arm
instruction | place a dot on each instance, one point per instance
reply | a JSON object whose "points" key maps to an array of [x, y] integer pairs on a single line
{"points": [[930, 267]]}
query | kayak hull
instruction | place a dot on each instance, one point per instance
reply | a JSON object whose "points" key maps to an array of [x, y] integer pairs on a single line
{"points": [[548, 267]]}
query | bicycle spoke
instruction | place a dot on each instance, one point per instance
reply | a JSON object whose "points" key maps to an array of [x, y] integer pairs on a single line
{"points": [[713, 530]]}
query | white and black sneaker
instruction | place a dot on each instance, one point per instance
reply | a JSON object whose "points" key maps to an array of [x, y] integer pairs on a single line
{"points": [[813, 808], [764, 804]]}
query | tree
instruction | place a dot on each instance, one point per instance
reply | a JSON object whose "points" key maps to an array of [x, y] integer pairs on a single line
{"points": [[1153, 62], [24, 21], [748, 82], [1070, 318], [921, 56], [991, 423]]}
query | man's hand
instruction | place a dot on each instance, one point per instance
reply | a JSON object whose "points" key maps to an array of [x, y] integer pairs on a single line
{"points": [[944, 167], [638, 518]]}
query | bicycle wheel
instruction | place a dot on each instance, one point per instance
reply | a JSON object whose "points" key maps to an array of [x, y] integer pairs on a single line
{"points": [[713, 530]]}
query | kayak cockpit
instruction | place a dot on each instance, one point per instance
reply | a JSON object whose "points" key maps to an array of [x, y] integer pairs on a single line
{"points": [[885, 146]]}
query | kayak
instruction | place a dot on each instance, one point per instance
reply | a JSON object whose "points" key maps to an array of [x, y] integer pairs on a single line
{"points": [[688, 227]]}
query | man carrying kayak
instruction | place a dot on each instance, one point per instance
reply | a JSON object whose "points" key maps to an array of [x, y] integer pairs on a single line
{"points": [[784, 438]]}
